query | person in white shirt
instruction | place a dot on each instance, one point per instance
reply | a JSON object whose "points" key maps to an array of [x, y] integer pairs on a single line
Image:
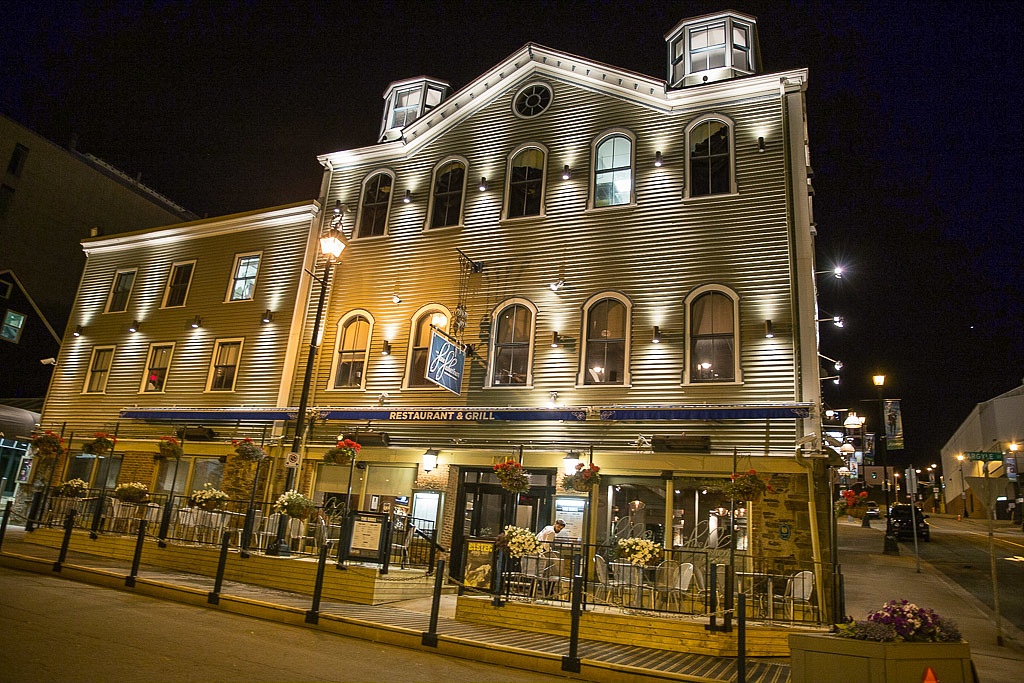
{"points": [[547, 534]]}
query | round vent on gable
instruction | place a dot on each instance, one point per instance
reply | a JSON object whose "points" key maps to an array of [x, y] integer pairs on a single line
{"points": [[532, 100]]}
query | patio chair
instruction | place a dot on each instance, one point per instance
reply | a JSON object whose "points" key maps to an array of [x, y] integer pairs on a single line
{"points": [[402, 549], [799, 592]]}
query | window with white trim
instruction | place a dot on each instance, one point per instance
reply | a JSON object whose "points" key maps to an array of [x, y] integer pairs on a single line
{"points": [[709, 158], [375, 205], [13, 325], [158, 364], [178, 282], [353, 344], [449, 189], [99, 369], [121, 291], [227, 354], [419, 344], [606, 340], [613, 171], [712, 336], [526, 182], [512, 344], [243, 281]]}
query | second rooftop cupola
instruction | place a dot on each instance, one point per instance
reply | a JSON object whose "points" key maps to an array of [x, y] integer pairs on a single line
{"points": [[408, 100], [714, 47]]}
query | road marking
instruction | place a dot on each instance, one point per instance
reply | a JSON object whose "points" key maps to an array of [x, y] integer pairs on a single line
{"points": [[1015, 558]]}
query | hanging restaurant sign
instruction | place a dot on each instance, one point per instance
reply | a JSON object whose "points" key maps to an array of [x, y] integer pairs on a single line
{"points": [[445, 362]]}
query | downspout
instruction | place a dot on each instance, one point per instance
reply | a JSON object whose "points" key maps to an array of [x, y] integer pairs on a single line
{"points": [[812, 510]]}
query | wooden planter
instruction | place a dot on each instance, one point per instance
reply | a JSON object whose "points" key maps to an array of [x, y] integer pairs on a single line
{"points": [[831, 659]]}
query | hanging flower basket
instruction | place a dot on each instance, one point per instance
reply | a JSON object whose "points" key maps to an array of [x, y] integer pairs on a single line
{"points": [[73, 488], [746, 486], [342, 454], [208, 498], [132, 492], [512, 476], [853, 504], [294, 504], [169, 448], [584, 479], [248, 450], [47, 445], [101, 444]]}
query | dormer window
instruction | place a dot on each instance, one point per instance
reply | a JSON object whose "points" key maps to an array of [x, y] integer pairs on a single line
{"points": [[712, 48], [407, 101]]}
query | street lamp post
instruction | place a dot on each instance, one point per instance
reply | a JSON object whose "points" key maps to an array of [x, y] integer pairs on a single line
{"points": [[332, 243], [890, 546]]}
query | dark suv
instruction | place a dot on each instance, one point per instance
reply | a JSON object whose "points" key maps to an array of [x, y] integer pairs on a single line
{"points": [[900, 523]]}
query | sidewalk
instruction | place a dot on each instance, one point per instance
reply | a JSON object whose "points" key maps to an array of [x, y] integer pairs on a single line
{"points": [[872, 578]]}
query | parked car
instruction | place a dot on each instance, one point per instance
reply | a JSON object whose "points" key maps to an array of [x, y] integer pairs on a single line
{"points": [[873, 510], [901, 526]]}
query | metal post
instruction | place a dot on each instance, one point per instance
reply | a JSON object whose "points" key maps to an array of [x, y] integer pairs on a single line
{"points": [[890, 545], [280, 545], [137, 557], [250, 514], [499, 574], [69, 524], [313, 613], [571, 662], [741, 639], [213, 597], [430, 637], [3, 524]]}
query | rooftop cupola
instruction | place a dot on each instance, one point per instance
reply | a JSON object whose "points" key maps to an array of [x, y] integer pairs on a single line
{"points": [[405, 101], [714, 47]]}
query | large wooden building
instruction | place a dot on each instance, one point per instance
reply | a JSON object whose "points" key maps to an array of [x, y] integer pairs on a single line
{"points": [[626, 263]]}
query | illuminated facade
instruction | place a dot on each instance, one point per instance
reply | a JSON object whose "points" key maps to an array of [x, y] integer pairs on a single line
{"points": [[625, 265]]}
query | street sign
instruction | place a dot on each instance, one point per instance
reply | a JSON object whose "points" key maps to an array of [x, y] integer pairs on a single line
{"points": [[291, 460], [983, 456]]}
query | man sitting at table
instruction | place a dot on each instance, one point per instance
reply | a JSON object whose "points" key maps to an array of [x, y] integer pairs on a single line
{"points": [[547, 534]]}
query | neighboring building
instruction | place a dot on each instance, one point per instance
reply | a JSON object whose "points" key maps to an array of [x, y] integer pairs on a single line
{"points": [[27, 341], [51, 198], [994, 426], [627, 263]]}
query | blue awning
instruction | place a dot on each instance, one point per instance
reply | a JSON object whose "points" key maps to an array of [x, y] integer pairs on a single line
{"points": [[718, 412], [411, 414]]}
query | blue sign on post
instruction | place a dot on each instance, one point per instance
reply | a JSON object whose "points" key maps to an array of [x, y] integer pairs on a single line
{"points": [[445, 363]]}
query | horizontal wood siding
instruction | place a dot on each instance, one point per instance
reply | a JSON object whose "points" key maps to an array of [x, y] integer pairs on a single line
{"points": [[654, 253], [282, 244]]}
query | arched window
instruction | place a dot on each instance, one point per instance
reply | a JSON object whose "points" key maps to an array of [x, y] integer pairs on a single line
{"points": [[606, 340], [526, 183], [511, 358], [709, 156], [350, 359], [419, 344], [374, 205], [713, 333], [613, 171], [449, 189]]}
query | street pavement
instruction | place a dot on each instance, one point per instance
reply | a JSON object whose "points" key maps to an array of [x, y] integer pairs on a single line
{"points": [[872, 578]]}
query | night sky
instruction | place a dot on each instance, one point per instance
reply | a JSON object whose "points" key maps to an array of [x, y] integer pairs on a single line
{"points": [[915, 132]]}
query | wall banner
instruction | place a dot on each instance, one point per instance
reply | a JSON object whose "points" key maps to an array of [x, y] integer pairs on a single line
{"points": [[445, 362]]}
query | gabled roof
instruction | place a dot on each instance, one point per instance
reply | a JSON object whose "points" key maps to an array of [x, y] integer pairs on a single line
{"points": [[533, 59], [7, 272]]}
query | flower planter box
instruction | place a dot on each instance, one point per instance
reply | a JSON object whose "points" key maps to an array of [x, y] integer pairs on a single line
{"points": [[831, 659]]}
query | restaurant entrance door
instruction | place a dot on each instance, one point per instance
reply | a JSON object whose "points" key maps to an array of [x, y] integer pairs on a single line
{"points": [[484, 509]]}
